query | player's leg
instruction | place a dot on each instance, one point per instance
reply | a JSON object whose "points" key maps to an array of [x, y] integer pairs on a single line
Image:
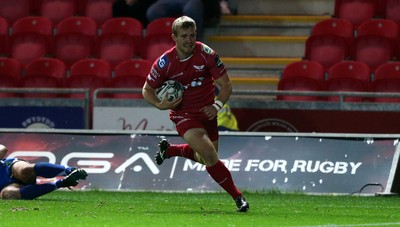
{"points": [[11, 192], [167, 150], [195, 10], [27, 172], [49, 170], [32, 191], [28, 192], [163, 8], [199, 141]]}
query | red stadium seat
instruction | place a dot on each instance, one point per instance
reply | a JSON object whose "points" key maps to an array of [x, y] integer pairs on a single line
{"points": [[326, 49], [391, 10], [356, 11], [90, 74], [349, 76], [334, 26], [10, 74], [31, 39], [75, 39], [12, 10], [44, 73], [4, 33], [57, 10], [330, 42], [10, 67], [120, 40], [130, 74], [157, 38], [301, 76], [387, 79], [98, 10], [376, 42]]}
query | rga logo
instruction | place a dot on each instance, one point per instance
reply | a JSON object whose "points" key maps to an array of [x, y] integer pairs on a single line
{"points": [[86, 160], [38, 122]]}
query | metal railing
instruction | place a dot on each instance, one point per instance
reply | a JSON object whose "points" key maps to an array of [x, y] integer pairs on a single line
{"points": [[267, 99]]}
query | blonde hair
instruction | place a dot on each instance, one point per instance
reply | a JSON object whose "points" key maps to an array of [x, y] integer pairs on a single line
{"points": [[183, 22]]}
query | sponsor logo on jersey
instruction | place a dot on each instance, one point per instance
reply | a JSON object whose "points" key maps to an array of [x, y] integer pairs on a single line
{"points": [[218, 61], [177, 75], [195, 83], [207, 49], [162, 61], [153, 75]]}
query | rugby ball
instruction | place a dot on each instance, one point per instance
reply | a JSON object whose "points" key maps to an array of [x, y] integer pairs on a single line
{"points": [[172, 88]]}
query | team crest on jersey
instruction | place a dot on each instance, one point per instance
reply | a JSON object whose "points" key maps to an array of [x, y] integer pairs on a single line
{"points": [[162, 61], [199, 67], [207, 49]]}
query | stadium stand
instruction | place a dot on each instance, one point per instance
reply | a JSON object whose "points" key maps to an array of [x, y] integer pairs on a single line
{"points": [[75, 39], [31, 39], [157, 38], [120, 40], [353, 76], [130, 74], [387, 79], [301, 76]]}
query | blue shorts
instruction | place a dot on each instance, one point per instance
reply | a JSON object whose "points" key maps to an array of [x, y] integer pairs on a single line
{"points": [[6, 173]]}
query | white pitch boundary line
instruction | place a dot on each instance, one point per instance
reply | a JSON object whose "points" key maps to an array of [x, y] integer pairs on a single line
{"points": [[353, 225]]}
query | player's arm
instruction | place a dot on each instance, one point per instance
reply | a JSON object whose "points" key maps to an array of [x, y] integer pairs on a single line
{"points": [[149, 95], [225, 86], [3, 151]]}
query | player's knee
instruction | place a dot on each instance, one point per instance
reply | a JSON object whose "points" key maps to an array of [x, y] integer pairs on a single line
{"points": [[28, 175], [10, 193]]}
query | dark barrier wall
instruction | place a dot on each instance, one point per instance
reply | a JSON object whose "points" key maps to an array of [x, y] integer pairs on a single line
{"points": [[323, 121], [258, 113], [42, 117], [310, 163]]}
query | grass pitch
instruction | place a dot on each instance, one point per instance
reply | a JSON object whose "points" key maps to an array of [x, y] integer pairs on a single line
{"points": [[99, 208]]}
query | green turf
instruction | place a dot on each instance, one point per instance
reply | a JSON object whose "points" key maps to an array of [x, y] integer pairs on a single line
{"points": [[98, 208]]}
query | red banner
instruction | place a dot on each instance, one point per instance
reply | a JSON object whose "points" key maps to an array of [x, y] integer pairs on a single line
{"points": [[324, 121]]}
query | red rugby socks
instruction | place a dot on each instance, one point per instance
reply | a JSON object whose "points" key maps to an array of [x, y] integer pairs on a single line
{"points": [[182, 150], [223, 177]]}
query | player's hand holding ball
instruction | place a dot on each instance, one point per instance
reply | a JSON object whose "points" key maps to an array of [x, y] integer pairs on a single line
{"points": [[170, 94]]}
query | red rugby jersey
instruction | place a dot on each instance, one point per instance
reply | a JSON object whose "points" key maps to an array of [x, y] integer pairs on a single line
{"points": [[196, 74]]}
